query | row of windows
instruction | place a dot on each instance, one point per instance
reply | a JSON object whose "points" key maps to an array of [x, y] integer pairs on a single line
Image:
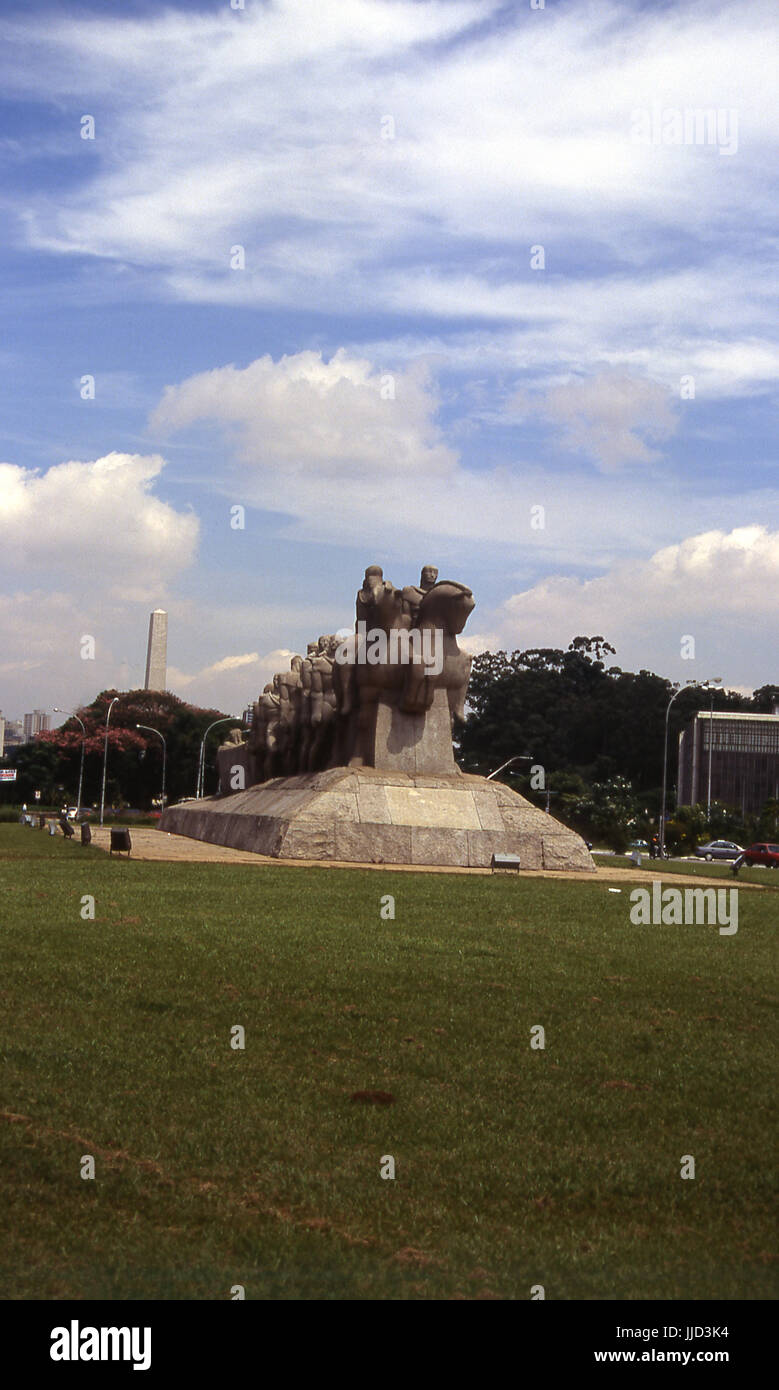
{"points": [[741, 739]]}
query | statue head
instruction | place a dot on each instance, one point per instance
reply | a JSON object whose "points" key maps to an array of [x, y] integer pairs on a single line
{"points": [[374, 579], [428, 576], [296, 663], [312, 648]]}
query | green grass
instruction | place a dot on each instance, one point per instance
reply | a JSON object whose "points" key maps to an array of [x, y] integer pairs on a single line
{"points": [[515, 1166], [698, 868]]}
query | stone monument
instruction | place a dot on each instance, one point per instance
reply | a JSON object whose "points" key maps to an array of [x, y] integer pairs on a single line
{"points": [[349, 755]]}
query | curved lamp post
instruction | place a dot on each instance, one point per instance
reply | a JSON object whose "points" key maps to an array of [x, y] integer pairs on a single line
{"points": [[520, 758], [706, 685], [150, 730], [201, 767], [105, 756], [69, 712], [678, 691]]}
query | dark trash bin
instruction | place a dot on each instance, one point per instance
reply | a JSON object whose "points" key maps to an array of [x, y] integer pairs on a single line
{"points": [[86, 834], [120, 841]]}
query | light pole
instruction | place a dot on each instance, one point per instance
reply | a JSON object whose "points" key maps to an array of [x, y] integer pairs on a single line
{"points": [[201, 768], [57, 710], [149, 730], [710, 683], [520, 758], [105, 757], [677, 691]]}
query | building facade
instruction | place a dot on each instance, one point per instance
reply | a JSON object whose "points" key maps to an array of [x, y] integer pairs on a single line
{"points": [[729, 757], [36, 723]]}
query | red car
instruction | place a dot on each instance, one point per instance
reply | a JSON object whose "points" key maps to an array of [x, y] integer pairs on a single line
{"points": [[767, 855]]}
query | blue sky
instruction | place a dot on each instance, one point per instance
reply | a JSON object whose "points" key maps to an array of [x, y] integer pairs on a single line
{"points": [[394, 374]]}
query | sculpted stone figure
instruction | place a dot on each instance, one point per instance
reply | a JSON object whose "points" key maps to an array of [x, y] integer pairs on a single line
{"points": [[323, 702], [365, 700], [372, 591], [443, 612], [413, 594], [355, 744]]}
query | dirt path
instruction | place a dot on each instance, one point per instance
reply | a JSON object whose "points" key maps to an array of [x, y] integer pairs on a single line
{"points": [[163, 847]]}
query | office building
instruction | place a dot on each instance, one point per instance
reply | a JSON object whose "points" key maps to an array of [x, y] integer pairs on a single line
{"points": [[730, 757], [36, 723]]}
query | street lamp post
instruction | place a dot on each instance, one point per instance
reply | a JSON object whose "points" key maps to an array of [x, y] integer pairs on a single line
{"points": [[149, 730], [69, 712], [201, 767], [105, 757], [661, 837], [711, 682], [520, 758]]}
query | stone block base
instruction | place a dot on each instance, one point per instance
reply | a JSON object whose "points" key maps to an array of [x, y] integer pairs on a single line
{"points": [[367, 816]]}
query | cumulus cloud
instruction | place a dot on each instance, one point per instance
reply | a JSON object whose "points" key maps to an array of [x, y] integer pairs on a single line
{"points": [[342, 417], [94, 523], [718, 587], [734, 573]]}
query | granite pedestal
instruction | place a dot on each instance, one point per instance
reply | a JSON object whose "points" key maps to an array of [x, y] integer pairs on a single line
{"points": [[371, 816]]}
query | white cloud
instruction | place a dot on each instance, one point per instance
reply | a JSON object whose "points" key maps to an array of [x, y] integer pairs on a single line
{"points": [[180, 680], [718, 587], [316, 441], [264, 128], [343, 419], [230, 683], [611, 415], [94, 523]]}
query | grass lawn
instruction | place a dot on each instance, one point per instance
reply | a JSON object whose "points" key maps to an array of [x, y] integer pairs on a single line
{"points": [[514, 1166], [698, 868]]}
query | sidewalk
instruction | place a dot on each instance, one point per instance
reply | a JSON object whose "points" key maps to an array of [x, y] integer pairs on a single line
{"points": [[163, 847]]}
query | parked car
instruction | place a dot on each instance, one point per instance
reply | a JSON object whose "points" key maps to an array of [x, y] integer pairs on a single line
{"points": [[765, 855], [719, 849]]}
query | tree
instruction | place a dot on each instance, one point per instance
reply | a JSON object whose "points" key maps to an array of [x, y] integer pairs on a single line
{"points": [[134, 756], [575, 715]]}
